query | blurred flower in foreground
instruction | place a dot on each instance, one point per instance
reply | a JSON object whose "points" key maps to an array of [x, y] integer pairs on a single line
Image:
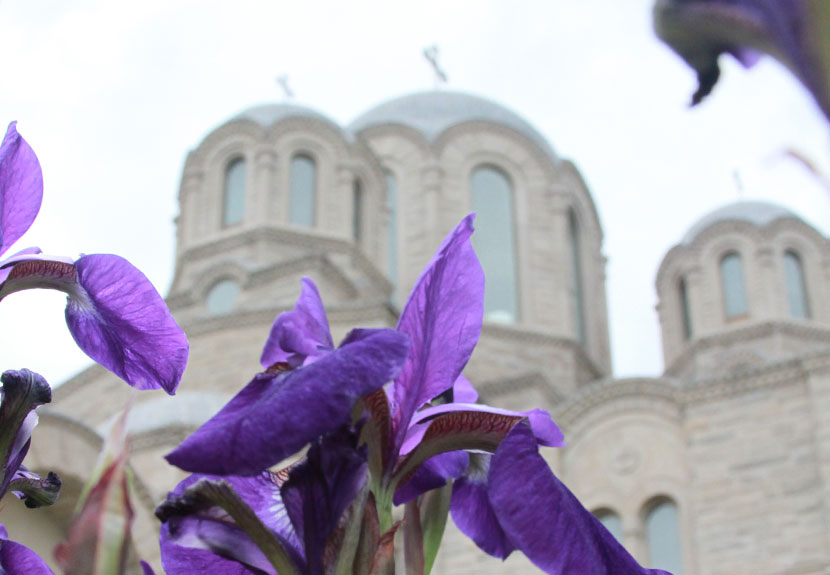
{"points": [[796, 32], [113, 312], [100, 530]]}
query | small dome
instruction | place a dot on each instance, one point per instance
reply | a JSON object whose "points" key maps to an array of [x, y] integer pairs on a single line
{"points": [[269, 114], [432, 113], [754, 212]]}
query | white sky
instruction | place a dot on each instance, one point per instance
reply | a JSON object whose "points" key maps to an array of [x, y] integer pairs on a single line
{"points": [[112, 95]]}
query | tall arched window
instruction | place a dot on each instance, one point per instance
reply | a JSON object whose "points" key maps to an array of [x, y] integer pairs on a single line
{"points": [[663, 536], [392, 230], [233, 206], [494, 242], [685, 314], [732, 282], [796, 288], [611, 521], [577, 287], [303, 188], [357, 210]]}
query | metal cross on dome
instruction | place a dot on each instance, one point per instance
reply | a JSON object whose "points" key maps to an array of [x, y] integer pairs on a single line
{"points": [[283, 82], [431, 54]]}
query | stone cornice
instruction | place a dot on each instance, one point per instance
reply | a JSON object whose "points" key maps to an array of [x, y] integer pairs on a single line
{"points": [[531, 380], [530, 336], [314, 242], [601, 392], [676, 396], [362, 312], [756, 330]]}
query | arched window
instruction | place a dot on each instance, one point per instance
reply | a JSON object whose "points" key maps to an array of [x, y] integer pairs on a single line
{"points": [[796, 288], [732, 281], [233, 209], [577, 287], [222, 297], [611, 521], [685, 314], [663, 536], [357, 210], [303, 187], [392, 230], [494, 242]]}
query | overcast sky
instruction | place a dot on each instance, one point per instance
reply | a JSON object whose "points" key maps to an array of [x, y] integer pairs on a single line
{"points": [[112, 95]]}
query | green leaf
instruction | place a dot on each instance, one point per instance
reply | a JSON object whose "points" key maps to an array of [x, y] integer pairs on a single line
{"points": [[435, 509]]}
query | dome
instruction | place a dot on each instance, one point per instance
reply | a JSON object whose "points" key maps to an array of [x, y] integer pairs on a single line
{"points": [[432, 113], [754, 212], [269, 114]]}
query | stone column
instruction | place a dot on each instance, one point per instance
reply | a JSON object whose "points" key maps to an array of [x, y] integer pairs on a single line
{"points": [[263, 204], [189, 227]]}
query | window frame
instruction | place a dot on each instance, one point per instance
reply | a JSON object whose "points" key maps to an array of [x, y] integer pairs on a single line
{"points": [[236, 161], [302, 155]]}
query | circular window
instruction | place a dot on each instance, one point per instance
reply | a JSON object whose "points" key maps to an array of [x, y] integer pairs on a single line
{"points": [[222, 297]]}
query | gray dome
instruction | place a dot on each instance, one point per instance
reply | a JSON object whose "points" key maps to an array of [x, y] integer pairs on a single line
{"points": [[269, 114], [432, 113], [754, 212]]}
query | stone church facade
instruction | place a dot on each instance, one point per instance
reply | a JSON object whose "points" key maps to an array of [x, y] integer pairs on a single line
{"points": [[720, 466]]}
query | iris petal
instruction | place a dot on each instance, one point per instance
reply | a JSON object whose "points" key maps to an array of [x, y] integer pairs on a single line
{"points": [[544, 519], [275, 415], [442, 318], [113, 312], [300, 333], [472, 512], [432, 474], [21, 187], [120, 320], [190, 544], [321, 488], [17, 559]]}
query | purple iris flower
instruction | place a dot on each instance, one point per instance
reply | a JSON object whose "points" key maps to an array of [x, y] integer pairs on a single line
{"points": [[22, 392], [113, 312], [308, 389], [299, 511], [505, 501], [17, 559], [793, 31]]}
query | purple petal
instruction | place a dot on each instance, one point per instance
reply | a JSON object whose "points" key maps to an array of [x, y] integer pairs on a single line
{"points": [[277, 414], [463, 391], [321, 488], [120, 320], [432, 474], [442, 318], [22, 392], [146, 569], [300, 333], [544, 520], [17, 559], [190, 544], [21, 187], [216, 546], [113, 312], [469, 421], [472, 512]]}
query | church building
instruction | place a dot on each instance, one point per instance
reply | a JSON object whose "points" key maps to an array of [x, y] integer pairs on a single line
{"points": [[721, 466]]}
